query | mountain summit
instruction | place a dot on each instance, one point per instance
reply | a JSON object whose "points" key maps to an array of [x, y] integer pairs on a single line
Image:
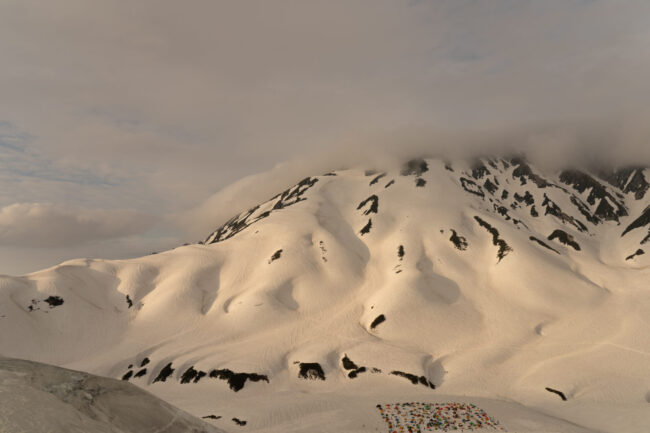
{"points": [[491, 279]]}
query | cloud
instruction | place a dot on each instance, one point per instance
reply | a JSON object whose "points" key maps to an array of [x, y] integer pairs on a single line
{"points": [[49, 225], [163, 91]]}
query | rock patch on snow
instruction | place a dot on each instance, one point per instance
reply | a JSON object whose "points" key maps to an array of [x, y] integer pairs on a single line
{"points": [[564, 238], [414, 379], [378, 320], [236, 381], [311, 371], [164, 373], [504, 248]]}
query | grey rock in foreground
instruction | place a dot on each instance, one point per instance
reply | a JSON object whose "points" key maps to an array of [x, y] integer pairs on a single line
{"points": [[38, 398]]}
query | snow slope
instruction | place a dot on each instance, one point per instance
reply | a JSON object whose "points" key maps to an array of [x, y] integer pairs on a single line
{"points": [[37, 397], [489, 279]]}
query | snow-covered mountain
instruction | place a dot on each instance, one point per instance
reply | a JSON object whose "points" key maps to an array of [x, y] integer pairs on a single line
{"points": [[524, 291]]}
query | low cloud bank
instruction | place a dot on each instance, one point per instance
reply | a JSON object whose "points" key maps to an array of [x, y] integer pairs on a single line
{"points": [[587, 145], [50, 225]]}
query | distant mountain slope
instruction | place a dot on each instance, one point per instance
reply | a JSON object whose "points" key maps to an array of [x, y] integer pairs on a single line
{"points": [[489, 278]]}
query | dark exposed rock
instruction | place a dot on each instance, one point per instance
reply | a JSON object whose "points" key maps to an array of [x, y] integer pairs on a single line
{"points": [[533, 212], [628, 180], [606, 211], [564, 238], [638, 184], [129, 301], [367, 227], [331, 173], [374, 205], [376, 179], [523, 172], [192, 375], [389, 183], [348, 364], [356, 372], [479, 170], [54, 301], [581, 181], [415, 166], [554, 209], [584, 210], [238, 223], [144, 362], [164, 373], [128, 375], [504, 249], [641, 221], [233, 226], [419, 182], [276, 255], [379, 319], [215, 417], [526, 198], [239, 421], [414, 379], [638, 252], [542, 243], [618, 178], [459, 241], [516, 222], [424, 381], [646, 239], [471, 187], [311, 371], [555, 391], [448, 167], [490, 187], [501, 210], [141, 373], [400, 252], [504, 194], [236, 381]]}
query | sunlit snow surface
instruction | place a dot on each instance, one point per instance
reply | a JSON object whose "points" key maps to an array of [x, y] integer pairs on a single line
{"points": [[479, 283]]}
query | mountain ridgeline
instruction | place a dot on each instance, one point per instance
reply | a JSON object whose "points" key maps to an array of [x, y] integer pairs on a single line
{"points": [[508, 188]]}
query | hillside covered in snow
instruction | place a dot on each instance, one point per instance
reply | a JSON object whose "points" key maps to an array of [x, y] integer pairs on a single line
{"points": [[490, 282]]}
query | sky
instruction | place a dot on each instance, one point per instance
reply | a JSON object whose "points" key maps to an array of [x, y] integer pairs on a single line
{"points": [[124, 125]]}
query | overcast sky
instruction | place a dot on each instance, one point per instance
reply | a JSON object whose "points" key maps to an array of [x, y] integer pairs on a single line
{"points": [[118, 117]]}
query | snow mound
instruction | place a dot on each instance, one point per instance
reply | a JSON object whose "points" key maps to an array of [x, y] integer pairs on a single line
{"points": [[37, 397]]}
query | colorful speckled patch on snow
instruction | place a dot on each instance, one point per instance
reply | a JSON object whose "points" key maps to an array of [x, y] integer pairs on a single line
{"points": [[420, 417]]}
